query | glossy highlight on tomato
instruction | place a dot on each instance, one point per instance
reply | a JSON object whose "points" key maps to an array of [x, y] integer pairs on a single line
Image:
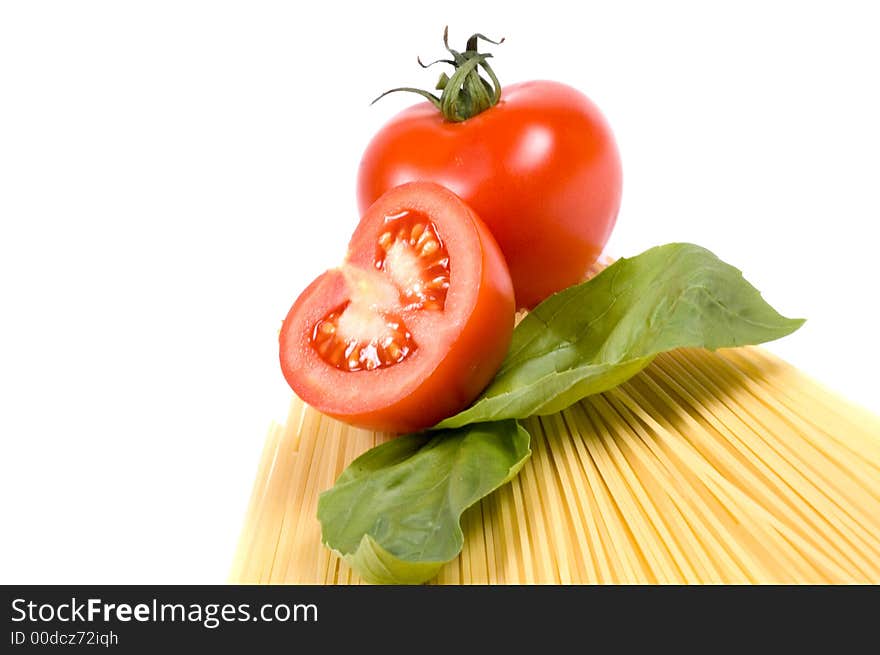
{"points": [[540, 167], [415, 322]]}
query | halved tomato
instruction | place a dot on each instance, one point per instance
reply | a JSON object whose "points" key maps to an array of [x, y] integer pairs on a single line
{"points": [[415, 322]]}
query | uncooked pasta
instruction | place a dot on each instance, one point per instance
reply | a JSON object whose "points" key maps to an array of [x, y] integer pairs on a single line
{"points": [[707, 467]]}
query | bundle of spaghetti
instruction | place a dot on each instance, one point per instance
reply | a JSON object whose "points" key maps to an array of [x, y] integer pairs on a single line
{"points": [[707, 467]]}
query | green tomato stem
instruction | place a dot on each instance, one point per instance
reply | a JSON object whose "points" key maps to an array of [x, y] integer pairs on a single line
{"points": [[465, 93]]}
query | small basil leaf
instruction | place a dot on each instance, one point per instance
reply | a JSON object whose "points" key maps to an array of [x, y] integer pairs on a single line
{"points": [[394, 514], [591, 337]]}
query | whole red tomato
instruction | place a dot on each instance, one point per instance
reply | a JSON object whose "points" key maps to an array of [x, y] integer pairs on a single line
{"points": [[540, 166]]}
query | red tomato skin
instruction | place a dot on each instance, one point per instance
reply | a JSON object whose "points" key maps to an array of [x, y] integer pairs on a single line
{"points": [[541, 168], [471, 356]]}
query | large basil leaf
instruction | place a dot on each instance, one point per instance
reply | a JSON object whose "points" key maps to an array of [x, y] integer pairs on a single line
{"points": [[595, 335], [394, 513]]}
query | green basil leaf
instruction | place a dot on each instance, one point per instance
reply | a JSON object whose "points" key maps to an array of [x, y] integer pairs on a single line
{"points": [[394, 514], [591, 337]]}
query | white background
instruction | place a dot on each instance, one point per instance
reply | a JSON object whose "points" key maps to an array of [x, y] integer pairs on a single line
{"points": [[172, 174]]}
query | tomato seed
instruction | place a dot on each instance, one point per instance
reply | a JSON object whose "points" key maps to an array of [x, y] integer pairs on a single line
{"points": [[423, 237], [429, 247]]}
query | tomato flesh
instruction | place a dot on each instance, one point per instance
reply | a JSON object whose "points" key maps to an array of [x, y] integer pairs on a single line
{"points": [[415, 322], [541, 168]]}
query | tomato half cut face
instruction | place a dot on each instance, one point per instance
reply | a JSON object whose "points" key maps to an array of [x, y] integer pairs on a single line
{"points": [[415, 322]]}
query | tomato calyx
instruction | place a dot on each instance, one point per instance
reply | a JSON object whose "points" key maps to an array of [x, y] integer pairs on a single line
{"points": [[465, 93]]}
